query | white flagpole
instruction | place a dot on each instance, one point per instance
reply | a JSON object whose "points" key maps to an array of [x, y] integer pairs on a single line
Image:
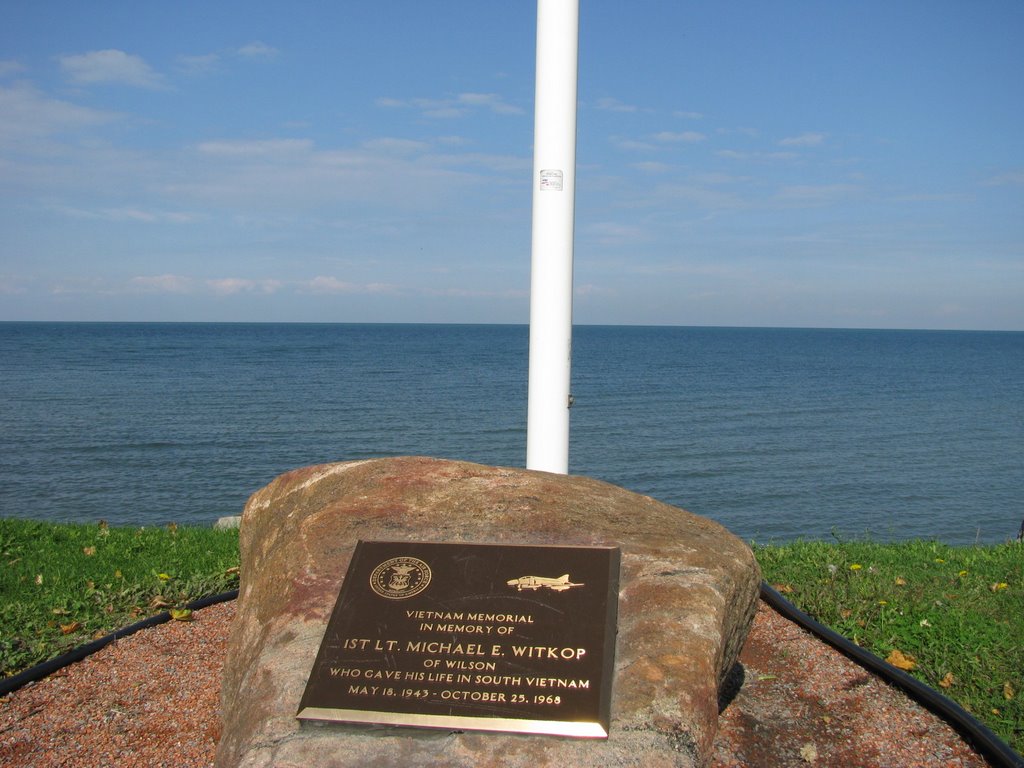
{"points": [[554, 194]]}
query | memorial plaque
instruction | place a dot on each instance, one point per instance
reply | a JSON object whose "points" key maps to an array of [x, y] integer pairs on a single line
{"points": [[471, 636]]}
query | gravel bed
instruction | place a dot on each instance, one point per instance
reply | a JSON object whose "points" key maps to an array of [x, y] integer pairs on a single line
{"points": [[152, 699]]}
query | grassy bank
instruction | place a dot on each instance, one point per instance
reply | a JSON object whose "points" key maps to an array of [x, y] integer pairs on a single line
{"points": [[951, 616], [63, 585], [954, 614]]}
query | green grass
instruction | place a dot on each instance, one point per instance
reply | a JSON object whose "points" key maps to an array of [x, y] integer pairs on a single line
{"points": [[958, 611], [63, 585]]}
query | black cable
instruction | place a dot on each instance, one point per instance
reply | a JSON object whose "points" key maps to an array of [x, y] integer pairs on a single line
{"points": [[39, 671], [985, 741], [990, 745]]}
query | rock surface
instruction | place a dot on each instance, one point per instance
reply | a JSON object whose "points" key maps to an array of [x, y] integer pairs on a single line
{"points": [[688, 593]]}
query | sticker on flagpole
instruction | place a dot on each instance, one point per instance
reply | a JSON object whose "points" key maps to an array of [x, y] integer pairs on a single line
{"points": [[550, 181]]}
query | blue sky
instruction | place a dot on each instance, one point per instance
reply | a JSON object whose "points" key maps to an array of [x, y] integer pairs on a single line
{"points": [[839, 164]]}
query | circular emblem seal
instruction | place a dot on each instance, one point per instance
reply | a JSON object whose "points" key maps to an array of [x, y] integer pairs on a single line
{"points": [[400, 577]]}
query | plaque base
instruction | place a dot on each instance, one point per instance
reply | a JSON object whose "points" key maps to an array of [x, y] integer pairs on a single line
{"points": [[450, 722]]}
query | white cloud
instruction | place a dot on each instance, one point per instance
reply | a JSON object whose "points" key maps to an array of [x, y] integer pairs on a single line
{"points": [[182, 284], [688, 115], [27, 113], [684, 136], [258, 148], [291, 177], [651, 167], [612, 233], [490, 100], [750, 132], [719, 178], [162, 284], [474, 293], [131, 214], [325, 284], [110, 66], [330, 284], [198, 65], [231, 285], [608, 104], [590, 289], [735, 155], [454, 107], [208, 62], [803, 140], [702, 197], [631, 145], [1010, 178], [80, 285], [398, 146], [257, 48], [10, 67], [11, 286], [508, 164], [926, 197], [815, 194], [380, 288]]}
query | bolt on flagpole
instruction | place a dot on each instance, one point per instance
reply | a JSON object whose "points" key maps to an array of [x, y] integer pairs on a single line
{"points": [[554, 195]]}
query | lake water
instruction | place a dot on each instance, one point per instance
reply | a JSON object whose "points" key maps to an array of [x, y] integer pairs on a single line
{"points": [[776, 433]]}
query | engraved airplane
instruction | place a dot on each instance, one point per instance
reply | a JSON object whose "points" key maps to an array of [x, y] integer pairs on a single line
{"points": [[560, 584]]}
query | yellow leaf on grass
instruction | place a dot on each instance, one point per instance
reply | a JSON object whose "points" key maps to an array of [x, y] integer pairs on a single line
{"points": [[947, 680], [784, 589], [67, 629], [181, 614], [39, 578], [88, 551], [855, 567], [900, 581], [901, 660], [1008, 692], [163, 577], [1000, 586]]}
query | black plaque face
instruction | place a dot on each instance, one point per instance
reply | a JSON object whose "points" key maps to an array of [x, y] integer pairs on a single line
{"points": [[471, 636]]}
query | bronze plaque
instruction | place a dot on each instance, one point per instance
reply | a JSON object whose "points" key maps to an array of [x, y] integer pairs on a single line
{"points": [[471, 636]]}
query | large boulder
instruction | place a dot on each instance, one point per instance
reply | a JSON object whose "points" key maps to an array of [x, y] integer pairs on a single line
{"points": [[688, 593]]}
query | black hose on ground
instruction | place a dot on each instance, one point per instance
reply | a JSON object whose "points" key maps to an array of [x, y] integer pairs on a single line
{"points": [[991, 746], [994, 749], [38, 672]]}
